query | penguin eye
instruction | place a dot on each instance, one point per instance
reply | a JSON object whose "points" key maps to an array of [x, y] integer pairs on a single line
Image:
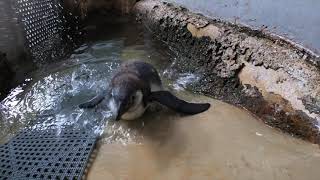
{"points": [[132, 98]]}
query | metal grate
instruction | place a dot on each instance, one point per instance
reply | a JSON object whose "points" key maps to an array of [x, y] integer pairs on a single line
{"points": [[40, 19], [43, 26], [40, 154]]}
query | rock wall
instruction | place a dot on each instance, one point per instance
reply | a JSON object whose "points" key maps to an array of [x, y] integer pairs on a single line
{"points": [[269, 76]]}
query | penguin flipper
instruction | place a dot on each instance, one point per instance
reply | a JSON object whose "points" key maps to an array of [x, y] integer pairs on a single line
{"points": [[167, 99], [93, 102]]}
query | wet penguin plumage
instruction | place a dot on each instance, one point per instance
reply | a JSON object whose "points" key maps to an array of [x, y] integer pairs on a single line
{"points": [[134, 86]]}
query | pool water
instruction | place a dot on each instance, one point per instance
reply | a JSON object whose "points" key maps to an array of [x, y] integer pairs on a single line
{"points": [[49, 98]]}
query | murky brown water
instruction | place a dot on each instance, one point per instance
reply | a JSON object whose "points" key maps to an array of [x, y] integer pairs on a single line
{"points": [[225, 143]]}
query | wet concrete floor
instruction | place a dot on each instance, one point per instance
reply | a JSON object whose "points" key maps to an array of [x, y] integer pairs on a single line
{"points": [[223, 143]]}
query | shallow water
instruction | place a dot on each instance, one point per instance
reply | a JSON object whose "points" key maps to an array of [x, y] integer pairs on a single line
{"points": [[49, 98]]}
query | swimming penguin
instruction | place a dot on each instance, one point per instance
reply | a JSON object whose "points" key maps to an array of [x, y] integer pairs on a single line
{"points": [[134, 86]]}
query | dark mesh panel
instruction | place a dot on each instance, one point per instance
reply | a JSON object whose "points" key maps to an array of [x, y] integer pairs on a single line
{"points": [[46, 154]]}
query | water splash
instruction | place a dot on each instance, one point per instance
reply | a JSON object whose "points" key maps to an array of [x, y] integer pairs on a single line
{"points": [[184, 80], [51, 98]]}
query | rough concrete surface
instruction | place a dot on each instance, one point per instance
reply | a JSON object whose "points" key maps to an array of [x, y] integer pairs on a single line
{"points": [[293, 19], [269, 76]]}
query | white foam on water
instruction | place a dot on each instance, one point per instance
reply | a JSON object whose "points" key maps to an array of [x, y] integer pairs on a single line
{"points": [[184, 80], [52, 100]]}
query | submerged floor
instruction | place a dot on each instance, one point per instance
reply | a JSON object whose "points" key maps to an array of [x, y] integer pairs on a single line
{"points": [[224, 143]]}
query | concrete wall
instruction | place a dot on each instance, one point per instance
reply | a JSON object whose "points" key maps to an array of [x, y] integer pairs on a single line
{"points": [[11, 36], [294, 19], [14, 57], [265, 74]]}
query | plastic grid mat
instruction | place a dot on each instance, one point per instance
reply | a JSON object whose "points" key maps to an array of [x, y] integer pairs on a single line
{"points": [[45, 154]]}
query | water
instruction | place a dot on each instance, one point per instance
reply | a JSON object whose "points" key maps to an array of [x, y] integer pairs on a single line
{"points": [[49, 98]]}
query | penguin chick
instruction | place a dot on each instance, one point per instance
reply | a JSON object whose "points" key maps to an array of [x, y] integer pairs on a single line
{"points": [[134, 86]]}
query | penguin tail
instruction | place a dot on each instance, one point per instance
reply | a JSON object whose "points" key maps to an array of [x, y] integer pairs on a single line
{"points": [[168, 99]]}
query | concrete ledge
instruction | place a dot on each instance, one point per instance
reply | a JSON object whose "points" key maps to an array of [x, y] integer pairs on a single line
{"points": [[267, 75]]}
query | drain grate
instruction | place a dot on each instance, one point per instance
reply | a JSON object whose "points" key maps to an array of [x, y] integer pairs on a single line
{"points": [[40, 154]]}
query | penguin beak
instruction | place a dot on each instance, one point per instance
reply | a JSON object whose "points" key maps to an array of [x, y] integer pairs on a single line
{"points": [[120, 112]]}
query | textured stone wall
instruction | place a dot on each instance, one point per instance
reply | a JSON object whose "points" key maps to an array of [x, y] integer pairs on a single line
{"points": [[269, 76]]}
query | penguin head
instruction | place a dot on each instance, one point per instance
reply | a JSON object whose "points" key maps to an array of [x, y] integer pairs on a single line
{"points": [[125, 99]]}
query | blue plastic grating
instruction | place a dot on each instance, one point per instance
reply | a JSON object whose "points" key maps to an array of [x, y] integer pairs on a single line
{"points": [[45, 155]]}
